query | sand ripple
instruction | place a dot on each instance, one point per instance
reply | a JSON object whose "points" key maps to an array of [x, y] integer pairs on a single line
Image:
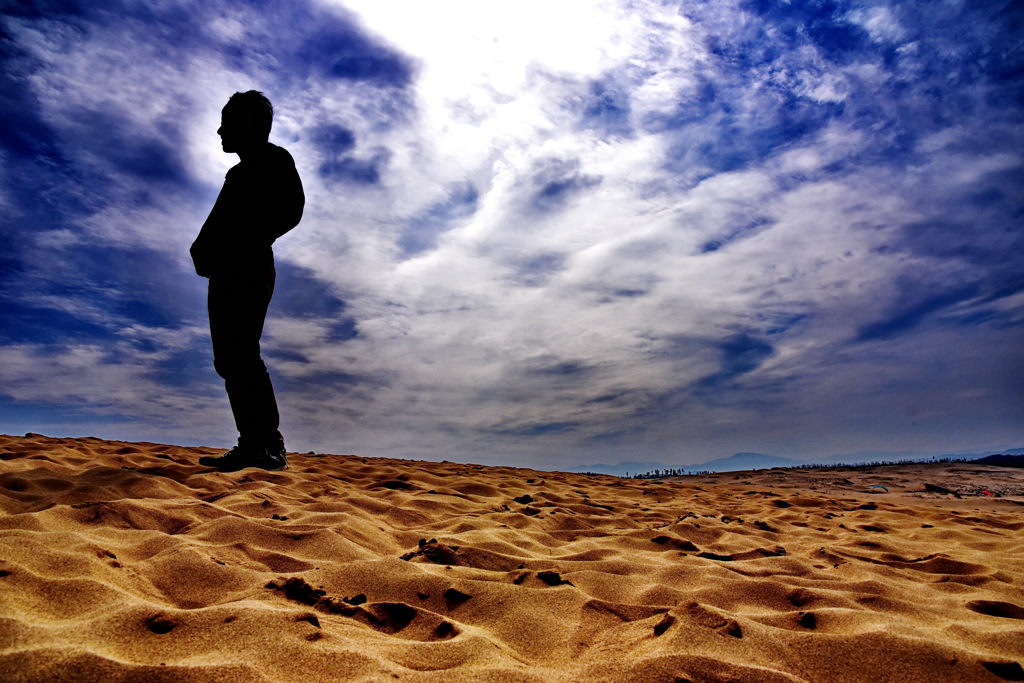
{"points": [[127, 561]]}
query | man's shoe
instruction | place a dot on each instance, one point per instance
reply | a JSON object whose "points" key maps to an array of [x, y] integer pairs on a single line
{"points": [[239, 458], [275, 455], [232, 461]]}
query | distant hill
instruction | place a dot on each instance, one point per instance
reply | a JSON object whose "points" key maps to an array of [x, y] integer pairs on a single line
{"points": [[760, 461], [744, 461], [1003, 460], [900, 456], [739, 461]]}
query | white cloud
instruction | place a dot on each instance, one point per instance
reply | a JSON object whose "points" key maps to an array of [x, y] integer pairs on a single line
{"points": [[880, 23]]}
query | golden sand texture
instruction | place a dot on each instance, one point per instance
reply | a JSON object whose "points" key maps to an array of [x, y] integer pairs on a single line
{"points": [[129, 562]]}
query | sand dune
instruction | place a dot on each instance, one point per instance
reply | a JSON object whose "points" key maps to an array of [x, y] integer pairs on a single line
{"points": [[127, 561]]}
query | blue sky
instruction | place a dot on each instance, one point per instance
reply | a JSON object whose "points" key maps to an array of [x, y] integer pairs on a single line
{"points": [[536, 233]]}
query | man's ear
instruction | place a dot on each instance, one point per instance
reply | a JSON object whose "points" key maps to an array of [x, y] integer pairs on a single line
{"points": [[251, 126]]}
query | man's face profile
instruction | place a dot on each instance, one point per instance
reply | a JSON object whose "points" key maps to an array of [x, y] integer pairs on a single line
{"points": [[236, 130]]}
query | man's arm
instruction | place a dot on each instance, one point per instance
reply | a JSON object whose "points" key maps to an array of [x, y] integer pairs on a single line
{"points": [[206, 250], [293, 198], [281, 196]]}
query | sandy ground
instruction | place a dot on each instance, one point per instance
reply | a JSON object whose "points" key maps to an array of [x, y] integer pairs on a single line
{"points": [[128, 561]]}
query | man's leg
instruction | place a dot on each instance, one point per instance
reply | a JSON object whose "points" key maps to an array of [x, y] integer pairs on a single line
{"points": [[238, 308]]}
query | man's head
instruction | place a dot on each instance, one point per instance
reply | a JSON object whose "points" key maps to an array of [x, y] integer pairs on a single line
{"points": [[245, 121]]}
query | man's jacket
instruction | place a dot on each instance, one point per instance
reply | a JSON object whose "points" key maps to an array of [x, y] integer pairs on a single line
{"points": [[261, 200]]}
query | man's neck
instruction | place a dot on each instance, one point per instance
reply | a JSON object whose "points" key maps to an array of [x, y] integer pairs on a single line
{"points": [[251, 151]]}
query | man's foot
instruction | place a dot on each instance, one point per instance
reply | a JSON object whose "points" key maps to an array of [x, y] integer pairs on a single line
{"points": [[238, 458]]}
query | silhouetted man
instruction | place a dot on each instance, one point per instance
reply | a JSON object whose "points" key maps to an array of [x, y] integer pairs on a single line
{"points": [[261, 200]]}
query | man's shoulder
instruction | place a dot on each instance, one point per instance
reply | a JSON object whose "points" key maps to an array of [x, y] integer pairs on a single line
{"points": [[279, 154]]}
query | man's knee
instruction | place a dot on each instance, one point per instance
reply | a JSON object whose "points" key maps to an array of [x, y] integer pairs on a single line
{"points": [[237, 366]]}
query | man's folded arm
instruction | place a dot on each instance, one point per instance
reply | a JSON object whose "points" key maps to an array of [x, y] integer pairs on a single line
{"points": [[293, 201], [280, 200]]}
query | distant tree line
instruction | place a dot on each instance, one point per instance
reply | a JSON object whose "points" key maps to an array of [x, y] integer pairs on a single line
{"points": [[678, 472], [670, 472], [879, 463]]}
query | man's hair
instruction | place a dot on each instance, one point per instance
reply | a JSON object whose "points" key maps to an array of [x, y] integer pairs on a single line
{"points": [[255, 104]]}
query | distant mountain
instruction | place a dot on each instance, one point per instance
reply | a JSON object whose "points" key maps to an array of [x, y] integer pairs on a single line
{"points": [[744, 461]]}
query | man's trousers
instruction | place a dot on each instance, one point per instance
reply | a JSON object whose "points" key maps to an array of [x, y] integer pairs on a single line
{"points": [[237, 305]]}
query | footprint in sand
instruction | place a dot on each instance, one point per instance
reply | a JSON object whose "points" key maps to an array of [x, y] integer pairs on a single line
{"points": [[706, 617], [445, 630], [755, 554], [395, 485], [1010, 671], [994, 608], [664, 624], [808, 620], [553, 578], [309, 618], [392, 617], [161, 624], [453, 597], [674, 543]]}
